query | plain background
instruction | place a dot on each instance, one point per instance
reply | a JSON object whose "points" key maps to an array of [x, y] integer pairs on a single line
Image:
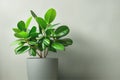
{"points": [[95, 30]]}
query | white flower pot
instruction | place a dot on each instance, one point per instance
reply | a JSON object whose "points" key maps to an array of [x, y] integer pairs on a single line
{"points": [[42, 69]]}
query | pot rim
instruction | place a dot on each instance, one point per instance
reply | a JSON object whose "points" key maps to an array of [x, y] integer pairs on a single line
{"points": [[40, 58]]}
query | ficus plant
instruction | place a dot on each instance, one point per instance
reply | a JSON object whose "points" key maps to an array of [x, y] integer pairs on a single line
{"points": [[44, 37]]}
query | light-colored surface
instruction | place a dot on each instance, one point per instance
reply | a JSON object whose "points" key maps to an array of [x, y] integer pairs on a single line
{"points": [[95, 29]]}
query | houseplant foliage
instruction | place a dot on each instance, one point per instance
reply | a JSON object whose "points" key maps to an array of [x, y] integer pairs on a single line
{"points": [[44, 37]]}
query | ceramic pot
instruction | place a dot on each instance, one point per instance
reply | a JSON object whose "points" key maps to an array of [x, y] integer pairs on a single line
{"points": [[42, 69]]}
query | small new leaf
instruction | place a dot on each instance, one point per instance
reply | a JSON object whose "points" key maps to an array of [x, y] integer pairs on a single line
{"points": [[28, 22], [33, 14]]}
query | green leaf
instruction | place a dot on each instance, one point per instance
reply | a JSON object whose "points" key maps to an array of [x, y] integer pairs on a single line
{"points": [[58, 46], [50, 15], [33, 35], [33, 30], [21, 49], [43, 46], [50, 32], [15, 42], [17, 48], [62, 31], [32, 52], [46, 41], [52, 49], [18, 42], [51, 26], [66, 41], [22, 40], [33, 14], [21, 34], [41, 22], [40, 46], [21, 26], [28, 22], [32, 43], [16, 30]]}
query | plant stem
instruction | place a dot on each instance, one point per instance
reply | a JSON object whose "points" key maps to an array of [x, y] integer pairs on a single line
{"points": [[46, 52], [39, 53]]}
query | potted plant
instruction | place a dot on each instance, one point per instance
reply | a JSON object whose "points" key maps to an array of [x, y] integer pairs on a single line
{"points": [[39, 41]]}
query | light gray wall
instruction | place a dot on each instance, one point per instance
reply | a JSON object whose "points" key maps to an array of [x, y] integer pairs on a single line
{"points": [[95, 29]]}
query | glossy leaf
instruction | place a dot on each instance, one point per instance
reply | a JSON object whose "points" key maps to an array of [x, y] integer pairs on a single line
{"points": [[16, 30], [22, 40], [15, 42], [17, 48], [33, 35], [66, 41], [32, 52], [19, 42], [28, 22], [46, 41], [21, 26], [33, 30], [50, 32], [41, 22], [32, 43], [62, 31], [21, 34], [52, 26], [50, 15], [33, 14], [21, 49], [52, 49], [43, 46], [58, 46]]}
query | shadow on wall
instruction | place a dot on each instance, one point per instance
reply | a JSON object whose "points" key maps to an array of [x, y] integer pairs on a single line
{"points": [[84, 60]]}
